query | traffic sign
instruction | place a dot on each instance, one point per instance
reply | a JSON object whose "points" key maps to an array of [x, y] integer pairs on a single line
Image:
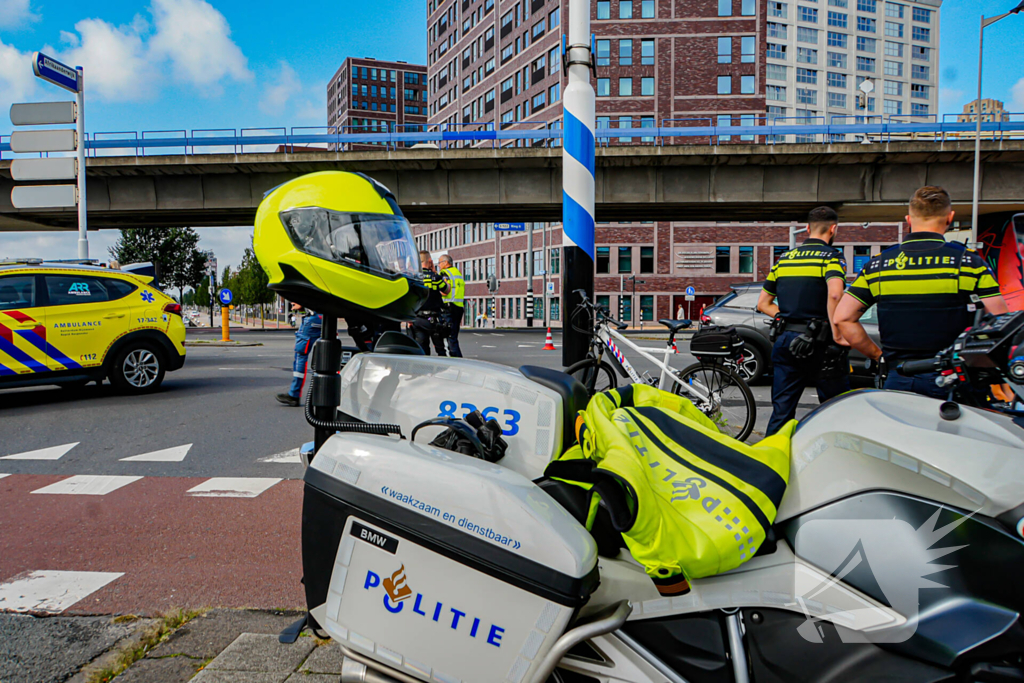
{"points": [[57, 168], [44, 196], [510, 227], [61, 140], [51, 70], [866, 86], [225, 296], [690, 291], [43, 113], [551, 288], [689, 297]]}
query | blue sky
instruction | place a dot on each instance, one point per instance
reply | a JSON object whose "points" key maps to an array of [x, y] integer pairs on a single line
{"points": [[193, 64]]}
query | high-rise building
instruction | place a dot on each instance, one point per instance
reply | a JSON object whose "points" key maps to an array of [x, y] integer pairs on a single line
{"points": [[820, 52], [657, 61], [369, 95], [991, 110]]}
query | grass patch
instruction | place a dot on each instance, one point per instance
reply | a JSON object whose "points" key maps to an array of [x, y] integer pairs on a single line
{"points": [[125, 618], [145, 642]]}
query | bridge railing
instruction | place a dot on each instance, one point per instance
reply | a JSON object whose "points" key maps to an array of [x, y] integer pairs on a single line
{"points": [[610, 131]]}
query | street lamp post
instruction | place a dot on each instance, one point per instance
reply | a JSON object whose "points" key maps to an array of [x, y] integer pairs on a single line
{"points": [[793, 232], [977, 115]]}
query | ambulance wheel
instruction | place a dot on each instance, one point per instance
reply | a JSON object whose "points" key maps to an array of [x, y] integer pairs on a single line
{"points": [[137, 369], [594, 376]]}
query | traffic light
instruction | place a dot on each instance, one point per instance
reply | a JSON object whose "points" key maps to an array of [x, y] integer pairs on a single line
{"points": [[862, 100]]}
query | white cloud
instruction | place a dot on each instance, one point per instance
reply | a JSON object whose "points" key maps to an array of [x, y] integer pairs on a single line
{"points": [[1017, 93], [951, 100], [15, 13], [117, 67], [195, 37], [277, 96], [17, 83]]}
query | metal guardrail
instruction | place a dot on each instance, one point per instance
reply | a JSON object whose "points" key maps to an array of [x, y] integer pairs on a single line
{"points": [[459, 136]]}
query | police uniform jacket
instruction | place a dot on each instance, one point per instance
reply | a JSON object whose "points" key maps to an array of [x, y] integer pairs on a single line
{"points": [[799, 281], [923, 289]]}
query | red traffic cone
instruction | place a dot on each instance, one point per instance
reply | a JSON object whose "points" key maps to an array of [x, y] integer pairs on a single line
{"points": [[674, 349], [548, 344]]}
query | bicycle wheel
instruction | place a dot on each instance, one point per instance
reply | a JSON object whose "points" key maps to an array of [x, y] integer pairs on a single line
{"points": [[729, 402], [593, 375]]}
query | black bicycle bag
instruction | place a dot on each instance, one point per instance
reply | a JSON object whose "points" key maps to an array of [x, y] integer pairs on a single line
{"points": [[716, 343]]}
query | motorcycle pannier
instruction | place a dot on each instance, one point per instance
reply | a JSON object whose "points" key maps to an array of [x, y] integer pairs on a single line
{"points": [[436, 564], [713, 342]]}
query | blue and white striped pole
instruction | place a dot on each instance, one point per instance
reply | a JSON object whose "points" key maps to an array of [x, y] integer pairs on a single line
{"points": [[577, 179]]}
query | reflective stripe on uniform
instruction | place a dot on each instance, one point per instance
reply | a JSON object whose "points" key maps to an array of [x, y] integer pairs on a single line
{"points": [[457, 294]]}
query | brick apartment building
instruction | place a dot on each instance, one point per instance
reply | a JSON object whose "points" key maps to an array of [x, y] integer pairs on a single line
{"points": [[368, 95], [659, 62]]}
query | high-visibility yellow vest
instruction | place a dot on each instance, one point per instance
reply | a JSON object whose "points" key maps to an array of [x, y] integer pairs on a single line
{"points": [[688, 500], [457, 294]]}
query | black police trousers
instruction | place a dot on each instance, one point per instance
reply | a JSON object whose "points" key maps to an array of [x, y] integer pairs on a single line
{"points": [[455, 314], [792, 375], [430, 328]]}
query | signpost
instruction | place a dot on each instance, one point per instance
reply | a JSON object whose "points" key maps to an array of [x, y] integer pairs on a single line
{"points": [[59, 168], [225, 297], [690, 296], [510, 227]]}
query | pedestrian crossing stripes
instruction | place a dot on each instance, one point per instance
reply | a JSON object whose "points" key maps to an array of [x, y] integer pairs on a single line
{"points": [[176, 454], [51, 453], [50, 590], [4, 475], [233, 487], [87, 485], [291, 456]]}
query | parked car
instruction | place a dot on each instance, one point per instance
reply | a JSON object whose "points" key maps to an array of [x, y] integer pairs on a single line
{"points": [[71, 324], [738, 308]]}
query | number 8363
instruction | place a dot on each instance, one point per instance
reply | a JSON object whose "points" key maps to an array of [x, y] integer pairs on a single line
{"points": [[511, 417]]}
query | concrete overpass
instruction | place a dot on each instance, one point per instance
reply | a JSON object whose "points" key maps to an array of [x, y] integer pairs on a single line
{"points": [[634, 182]]}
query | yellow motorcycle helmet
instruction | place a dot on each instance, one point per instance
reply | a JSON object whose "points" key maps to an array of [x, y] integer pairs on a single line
{"points": [[338, 243]]}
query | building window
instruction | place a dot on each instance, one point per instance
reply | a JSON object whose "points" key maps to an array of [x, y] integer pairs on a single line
{"points": [[747, 85], [837, 39], [724, 121], [725, 85], [893, 107], [746, 259], [806, 96], [647, 86], [837, 100], [625, 9], [725, 8], [806, 55], [918, 109], [747, 8], [893, 49], [553, 18], [625, 308], [836, 60], [836, 80], [837, 19], [922, 34], [918, 91], [625, 53], [866, 64], [776, 93], [625, 123], [603, 87], [555, 308], [625, 87], [893, 88], [604, 50], [601, 264], [807, 35], [777, 253], [806, 76], [919, 53], [556, 261], [604, 9], [776, 72], [554, 93], [647, 307], [923, 15], [919, 72], [893, 29], [867, 6], [647, 52], [777, 9], [646, 9], [722, 260], [894, 10], [646, 259], [776, 51], [725, 50], [866, 44], [625, 259], [893, 68], [866, 25], [538, 29], [539, 100], [647, 122], [776, 30], [808, 14]]}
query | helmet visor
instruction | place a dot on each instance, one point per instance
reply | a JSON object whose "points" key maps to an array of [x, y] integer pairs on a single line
{"points": [[374, 241]]}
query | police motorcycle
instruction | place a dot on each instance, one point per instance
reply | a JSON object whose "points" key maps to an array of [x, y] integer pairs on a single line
{"points": [[895, 553]]}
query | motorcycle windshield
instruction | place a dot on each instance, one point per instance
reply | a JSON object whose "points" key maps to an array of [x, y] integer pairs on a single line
{"points": [[379, 242]]}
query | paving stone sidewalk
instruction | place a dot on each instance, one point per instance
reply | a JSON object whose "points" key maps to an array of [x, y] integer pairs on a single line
{"points": [[237, 646]]}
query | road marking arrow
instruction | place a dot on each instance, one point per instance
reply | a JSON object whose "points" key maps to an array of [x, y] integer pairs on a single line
{"points": [[176, 454], [51, 453], [51, 591], [233, 487], [87, 485]]}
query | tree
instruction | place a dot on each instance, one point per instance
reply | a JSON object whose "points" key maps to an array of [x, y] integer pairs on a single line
{"points": [[252, 282], [173, 251]]}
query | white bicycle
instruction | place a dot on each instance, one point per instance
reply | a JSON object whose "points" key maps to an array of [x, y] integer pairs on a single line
{"points": [[714, 387]]}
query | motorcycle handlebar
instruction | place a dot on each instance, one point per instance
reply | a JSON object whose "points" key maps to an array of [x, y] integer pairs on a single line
{"points": [[918, 367]]}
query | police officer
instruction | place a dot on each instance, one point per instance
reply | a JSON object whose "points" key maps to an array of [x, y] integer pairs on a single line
{"points": [[430, 324], [308, 332], [454, 301], [927, 291], [808, 283]]}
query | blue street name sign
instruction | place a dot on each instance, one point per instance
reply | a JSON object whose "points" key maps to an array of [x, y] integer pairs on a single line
{"points": [[225, 296], [510, 227], [51, 70], [690, 291]]}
